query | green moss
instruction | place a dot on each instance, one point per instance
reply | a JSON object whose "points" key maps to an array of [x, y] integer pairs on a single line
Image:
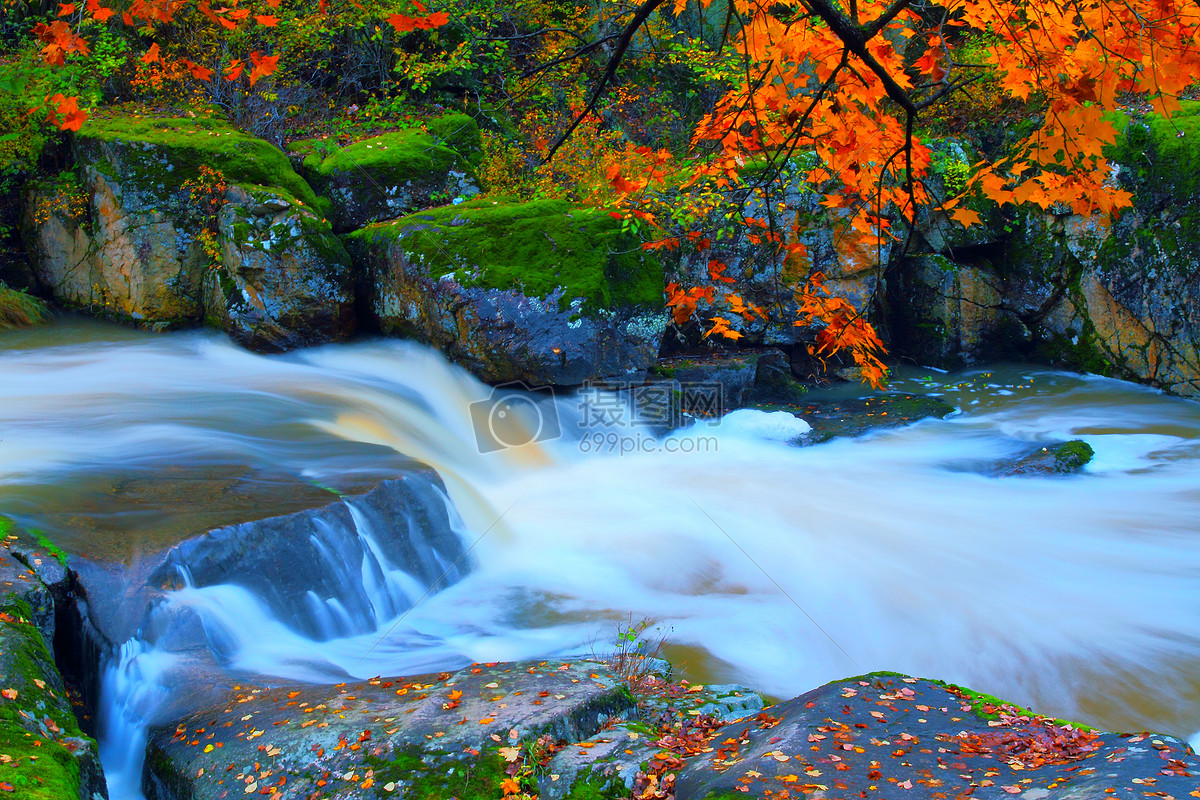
{"points": [[1074, 454], [431, 776], [395, 158], [533, 247], [18, 309], [50, 547], [460, 133], [1164, 152], [173, 150], [598, 787], [41, 767]]}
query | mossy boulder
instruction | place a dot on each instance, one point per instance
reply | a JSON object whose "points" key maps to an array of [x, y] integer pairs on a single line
{"points": [[43, 753], [542, 292], [143, 230], [284, 280], [393, 174]]}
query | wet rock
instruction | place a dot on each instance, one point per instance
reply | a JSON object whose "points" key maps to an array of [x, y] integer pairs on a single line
{"points": [[379, 738], [901, 736], [394, 174], [1062, 458], [142, 233], [353, 551], [545, 293]]}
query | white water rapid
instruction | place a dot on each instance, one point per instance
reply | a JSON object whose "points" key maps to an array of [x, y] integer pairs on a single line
{"points": [[776, 566]]}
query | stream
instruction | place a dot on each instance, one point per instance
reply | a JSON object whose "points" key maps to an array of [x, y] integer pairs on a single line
{"points": [[759, 562]]}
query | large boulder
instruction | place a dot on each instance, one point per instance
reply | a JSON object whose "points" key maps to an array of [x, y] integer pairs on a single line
{"points": [[888, 735], [170, 222], [541, 292], [393, 174]]}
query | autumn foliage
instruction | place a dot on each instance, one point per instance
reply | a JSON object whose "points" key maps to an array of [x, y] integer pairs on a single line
{"points": [[847, 86]]}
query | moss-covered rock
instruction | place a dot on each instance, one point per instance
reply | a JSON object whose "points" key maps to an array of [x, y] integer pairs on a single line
{"points": [[174, 222], [283, 280], [1060, 458], [542, 292], [395, 173], [43, 753]]}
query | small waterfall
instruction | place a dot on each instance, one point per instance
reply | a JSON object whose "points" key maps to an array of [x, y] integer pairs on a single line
{"points": [[263, 600], [133, 692]]}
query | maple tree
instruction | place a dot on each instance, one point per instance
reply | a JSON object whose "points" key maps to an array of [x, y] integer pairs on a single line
{"points": [[849, 84]]}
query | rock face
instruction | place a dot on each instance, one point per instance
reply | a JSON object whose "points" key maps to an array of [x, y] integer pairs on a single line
{"points": [[1120, 299], [140, 233], [394, 174], [540, 292], [46, 755], [889, 735]]}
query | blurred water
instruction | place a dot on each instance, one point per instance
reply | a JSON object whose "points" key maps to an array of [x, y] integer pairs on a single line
{"points": [[777, 566]]}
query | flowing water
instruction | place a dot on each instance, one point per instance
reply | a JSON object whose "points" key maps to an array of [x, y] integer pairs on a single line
{"points": [[776, 566]]}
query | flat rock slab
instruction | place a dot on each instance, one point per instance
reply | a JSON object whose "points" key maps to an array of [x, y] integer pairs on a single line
{"points": [[890, 736], [341, 741]]}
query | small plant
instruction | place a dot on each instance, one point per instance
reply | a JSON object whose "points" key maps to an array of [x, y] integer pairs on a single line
{"points": [[638, 646], [524, 763], [65, 197], [19, 310], [956, 176], [207, 192]]}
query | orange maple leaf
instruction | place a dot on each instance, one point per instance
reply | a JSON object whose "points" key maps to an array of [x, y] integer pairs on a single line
{"points": [[263, 66]]}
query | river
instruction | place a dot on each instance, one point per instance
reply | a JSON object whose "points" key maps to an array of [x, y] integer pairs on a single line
{"points": [[777, 566]]}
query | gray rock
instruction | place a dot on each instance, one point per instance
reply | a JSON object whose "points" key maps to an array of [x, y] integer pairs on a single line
{"points": [[890, 733], [1062, 458], [385, 733]]}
